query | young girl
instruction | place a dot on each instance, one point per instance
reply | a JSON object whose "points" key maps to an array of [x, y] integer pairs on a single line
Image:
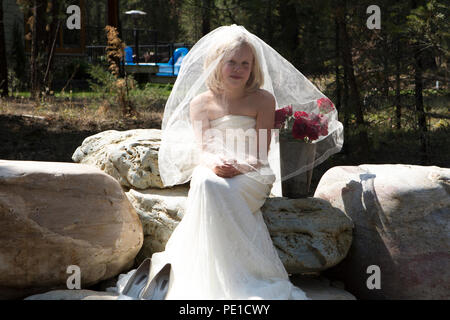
{"points": [[234, 90], [222, 249], [216, 133]]}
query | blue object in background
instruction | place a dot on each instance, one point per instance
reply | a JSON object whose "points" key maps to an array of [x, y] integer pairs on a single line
{"points": [[168, 69], [128, 55]]}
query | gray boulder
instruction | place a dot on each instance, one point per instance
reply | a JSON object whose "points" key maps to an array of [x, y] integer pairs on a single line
{"points": [[131, 157], [308, 234], [402, 225], [54, 215], [74, 295]]}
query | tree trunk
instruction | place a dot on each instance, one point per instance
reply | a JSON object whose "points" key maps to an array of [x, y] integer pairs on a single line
{"points": [[99, 31], [47, 78], [355, 100], [337, 64], [398, 107], [269, 25], [38, 47], [3, 65], [52, 38], [346, 106], [418, 95], [206, 16], [421, 120], [418, 81], [113, 13], [386, 71], [35, 89], [290, 27]]}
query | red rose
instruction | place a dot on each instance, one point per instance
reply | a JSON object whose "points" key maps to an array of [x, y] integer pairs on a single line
{"points": [[310, 126], [300, 114], [299, 129], [322, 123], [325, 105], [281, 115], [312, 131], [304, 127], [288, 110]]}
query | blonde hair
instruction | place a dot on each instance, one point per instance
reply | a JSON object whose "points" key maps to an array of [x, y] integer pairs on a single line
{"points": [[214, 80]]}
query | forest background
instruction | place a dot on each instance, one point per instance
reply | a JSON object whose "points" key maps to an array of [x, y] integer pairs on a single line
{"points": [[389, 84]]}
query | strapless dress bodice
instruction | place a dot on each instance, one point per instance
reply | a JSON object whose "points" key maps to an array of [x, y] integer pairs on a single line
{"points": [[233, 121]]}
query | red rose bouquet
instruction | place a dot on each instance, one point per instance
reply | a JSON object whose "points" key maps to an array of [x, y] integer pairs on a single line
{"points": [[325, 105], [301, 125]]}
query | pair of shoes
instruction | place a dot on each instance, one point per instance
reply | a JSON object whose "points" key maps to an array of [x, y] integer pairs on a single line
{"points": [[140, 287], [159, 285], [138, 281]]}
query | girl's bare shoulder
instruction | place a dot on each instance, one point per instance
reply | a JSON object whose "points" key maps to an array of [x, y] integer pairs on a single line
{"points": [[263, 99], [199, 102]]}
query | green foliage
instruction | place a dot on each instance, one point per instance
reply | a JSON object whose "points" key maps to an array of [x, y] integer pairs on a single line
{"points": [[14, 83], [429, 25], [152, 97], [80, 67], [103, 80]]}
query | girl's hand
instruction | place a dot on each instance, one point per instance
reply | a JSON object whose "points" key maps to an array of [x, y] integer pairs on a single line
{"points": [[225, 170]]}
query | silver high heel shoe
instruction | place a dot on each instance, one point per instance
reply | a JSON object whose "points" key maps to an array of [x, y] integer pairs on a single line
{"points": [[138, 281], [157, 288]]}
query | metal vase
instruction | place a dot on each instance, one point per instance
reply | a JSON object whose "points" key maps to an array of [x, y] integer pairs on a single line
{"points": [[294, 155]]}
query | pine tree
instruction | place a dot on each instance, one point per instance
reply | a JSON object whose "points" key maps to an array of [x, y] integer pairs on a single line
{"points": [[3, 66]]}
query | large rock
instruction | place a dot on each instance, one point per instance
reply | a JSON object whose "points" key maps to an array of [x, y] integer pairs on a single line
{"points": [[129, 156], [315, 288], [74, 295], [402, 225], [160, 211], [320, 288], [309, 234], [53, 215]]}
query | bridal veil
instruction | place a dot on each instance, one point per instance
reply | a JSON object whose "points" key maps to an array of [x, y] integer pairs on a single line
{"points": [[179, 153]]}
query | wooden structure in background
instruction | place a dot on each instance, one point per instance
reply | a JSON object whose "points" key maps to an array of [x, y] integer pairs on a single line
{"points": [[113, 13], [74, 41]]}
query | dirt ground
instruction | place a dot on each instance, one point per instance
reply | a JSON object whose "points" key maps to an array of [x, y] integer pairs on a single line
{"points": [[27, 137]]}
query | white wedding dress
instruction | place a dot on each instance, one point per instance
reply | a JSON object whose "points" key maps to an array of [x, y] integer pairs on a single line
{"points": [[222, 249]]}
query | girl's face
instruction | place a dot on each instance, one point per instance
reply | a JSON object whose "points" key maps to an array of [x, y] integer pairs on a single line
{"points": [[237, 67]]}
